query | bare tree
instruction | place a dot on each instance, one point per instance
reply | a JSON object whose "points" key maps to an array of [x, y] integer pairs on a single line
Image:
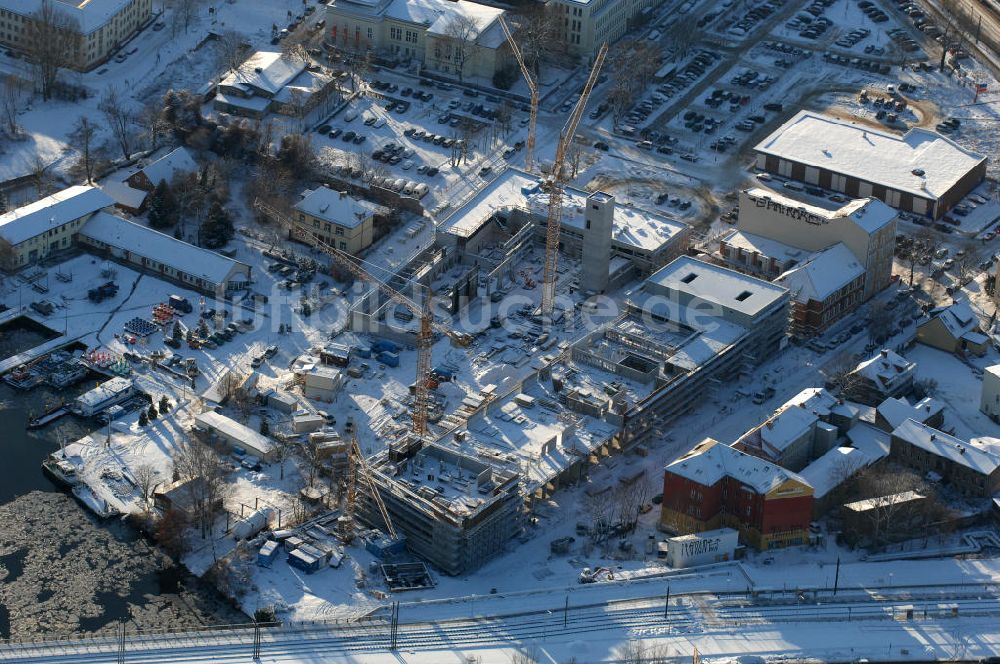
{"points": [[52, 41], [967, 264], [153, 127], [538, 35], [460, 33], [231, 50], [640, 652], [120, 119], [620, 98], [185, 12], [206, 486], [146, 478], [41, 177], [82, 139], [284, 449], [918, 251], [11, 96], [881, 323], [888, 515]]}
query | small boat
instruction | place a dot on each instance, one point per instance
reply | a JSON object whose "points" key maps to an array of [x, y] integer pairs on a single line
{"points": [[93, 502], [50, 416], [61, 470]]}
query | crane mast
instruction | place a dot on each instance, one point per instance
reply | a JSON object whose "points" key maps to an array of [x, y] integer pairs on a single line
{"points": [[557, 178], [529, 146], [425, 333]]}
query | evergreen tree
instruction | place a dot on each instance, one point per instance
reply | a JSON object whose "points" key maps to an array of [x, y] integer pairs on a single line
{"points": [[264, 427], [177, 333], [164, 404], [143, 419], [152, 413], [163, 209], [218, 228]]}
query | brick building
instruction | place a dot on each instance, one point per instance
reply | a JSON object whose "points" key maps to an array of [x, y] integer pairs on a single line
{"points": [[920, 171], [968, 469], [715, 486]]}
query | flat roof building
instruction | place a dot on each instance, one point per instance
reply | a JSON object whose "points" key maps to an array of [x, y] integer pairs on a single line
{"points": [[919, 171], [235, 434]]}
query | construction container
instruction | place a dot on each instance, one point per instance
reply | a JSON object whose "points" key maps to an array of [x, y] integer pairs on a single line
{"points": [[252, 524], [364, 351], [303, 561], [268, 552], [383, 546], [711, 546], [388, 358], [384, 345]]}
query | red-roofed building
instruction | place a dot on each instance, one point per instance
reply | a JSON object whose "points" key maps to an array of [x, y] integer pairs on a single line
{"points": [[715, 486]]}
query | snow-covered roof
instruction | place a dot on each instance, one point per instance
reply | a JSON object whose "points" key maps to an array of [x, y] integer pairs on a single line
{"points": [[124, 194], [710, 461], [948, 447], [51, 212], [886, 369], [195, 261], [764, 246], [871, 440], [893, 499], [265, 70], [633, 226], [169, 165], [787, 426], [104, 391], [335, 206], [717, 285], [436, 15], [833, 468], [822, 274], [896, 411], [869, 214], [819, 400], [89, 14], [233, 429], [919, 162], [959, 319]]}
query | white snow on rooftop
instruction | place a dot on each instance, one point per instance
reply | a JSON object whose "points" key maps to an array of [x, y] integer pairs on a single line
{"points": [[870, 214], [711, 461], [89, 14], [945, 446], [822, 275], [633, 226], [437, 14], [51, 212], [959, 319], [896, 411], [142, 241], [169, 165], [335, 206], [233, 429], [880, 502], [834, 467], [875, 156], [717, 285], [268, 71], [764, 246]]}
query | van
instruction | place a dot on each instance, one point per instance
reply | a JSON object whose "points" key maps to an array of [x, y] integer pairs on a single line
{"points": [[794, 186]]}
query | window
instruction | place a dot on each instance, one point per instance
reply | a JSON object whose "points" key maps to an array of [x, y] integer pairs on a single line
{"points": [[339, 232], [315, 223], [743, 296], [371, 33], [343, 246], [688, 279]]}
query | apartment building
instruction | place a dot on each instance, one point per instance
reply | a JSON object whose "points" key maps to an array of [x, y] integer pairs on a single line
{"points": [[826, 287], [99, 26], [954, 329], [968, 469], [337, 219], [715, 486], [884, 375], [32, 232], [586, 24]]}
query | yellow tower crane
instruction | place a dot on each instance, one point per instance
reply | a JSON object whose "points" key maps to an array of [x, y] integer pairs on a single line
{"points": [[427, 325], [554, 183], [529, 145]]}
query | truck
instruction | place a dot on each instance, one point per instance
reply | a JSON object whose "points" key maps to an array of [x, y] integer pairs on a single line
{"points": [[761, 396], [180, 304], [106, 290]]}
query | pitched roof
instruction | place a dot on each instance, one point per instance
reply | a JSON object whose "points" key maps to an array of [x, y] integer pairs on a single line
{"points": [[169, 165], [335, 206], [710, 461], [948, 447], [51, 212], [265, 70], [959, 319], [196, 261], [822, 274], [896, 411], [886, 368]]}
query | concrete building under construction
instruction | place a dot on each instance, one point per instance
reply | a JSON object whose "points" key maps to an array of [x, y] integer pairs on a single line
{"points": [[456, 510]]}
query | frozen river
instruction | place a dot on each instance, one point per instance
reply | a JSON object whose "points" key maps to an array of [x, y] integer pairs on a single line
{"points": [[61, 571]]}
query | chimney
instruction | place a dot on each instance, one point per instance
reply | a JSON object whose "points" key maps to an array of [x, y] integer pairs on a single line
{"points": [[770, 424], [343, 195], [933, 436], [885, 353]]}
